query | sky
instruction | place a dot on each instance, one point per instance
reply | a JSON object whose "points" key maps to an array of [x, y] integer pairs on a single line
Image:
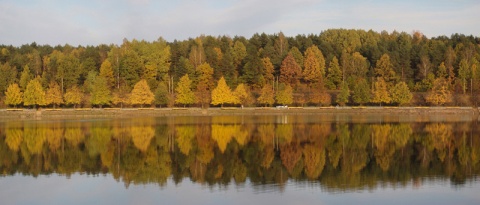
{"points": [[94, 22]]}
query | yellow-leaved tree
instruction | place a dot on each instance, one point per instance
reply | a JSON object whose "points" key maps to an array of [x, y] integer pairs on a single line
{"points": [[439, 94], [241, 94], [314, 64], [222, 93], [13, 95], [53, 95], [266, 95], [73, 96], [401, 93], [185, 94], [100, 94], [285, 94], [34, 94], [380, 92], [106, 71], [141, 94]]}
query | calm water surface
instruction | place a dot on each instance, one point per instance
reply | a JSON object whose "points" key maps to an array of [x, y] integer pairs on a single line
{"points": [[242, 160]]}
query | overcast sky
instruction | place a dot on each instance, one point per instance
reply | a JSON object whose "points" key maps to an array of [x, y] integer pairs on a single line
{"points": [[93, 22]]}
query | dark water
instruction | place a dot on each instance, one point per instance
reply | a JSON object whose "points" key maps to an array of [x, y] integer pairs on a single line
{"points": [[242, 160]]}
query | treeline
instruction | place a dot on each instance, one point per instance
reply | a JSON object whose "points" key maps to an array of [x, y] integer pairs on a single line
{"points": [[220, 150], [335, 67]]}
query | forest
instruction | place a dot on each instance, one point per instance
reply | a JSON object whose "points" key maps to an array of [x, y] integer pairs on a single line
{"points": [[222, 150], [336, 67]]}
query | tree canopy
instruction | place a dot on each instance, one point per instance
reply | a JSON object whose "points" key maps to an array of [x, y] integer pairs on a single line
{"points": [[141, 94], [222, 93], [331, 58]]}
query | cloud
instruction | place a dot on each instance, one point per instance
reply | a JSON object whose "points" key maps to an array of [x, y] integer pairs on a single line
{"points": [[93, 22]]}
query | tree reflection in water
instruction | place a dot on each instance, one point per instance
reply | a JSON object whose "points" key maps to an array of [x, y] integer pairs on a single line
{"points": [[337, 155]]}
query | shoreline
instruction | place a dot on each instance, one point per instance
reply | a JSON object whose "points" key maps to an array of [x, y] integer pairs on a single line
{"points": [[95, 113]]}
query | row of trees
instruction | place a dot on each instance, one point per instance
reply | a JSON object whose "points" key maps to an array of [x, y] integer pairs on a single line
{"points": [[145, 151], [338, 66]]}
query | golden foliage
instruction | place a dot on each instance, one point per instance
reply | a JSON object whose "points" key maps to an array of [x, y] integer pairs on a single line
{"points": [[222, 93], [314, 160], [223, 134], [13, 95], [142, 136], [141, 94], [14, 138], [185, 135]]}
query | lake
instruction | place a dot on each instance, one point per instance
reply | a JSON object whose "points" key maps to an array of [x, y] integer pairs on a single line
{"points": [[268, 159]]}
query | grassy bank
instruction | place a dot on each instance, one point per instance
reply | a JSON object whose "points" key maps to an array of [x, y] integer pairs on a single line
{"points": [[27, 114]]}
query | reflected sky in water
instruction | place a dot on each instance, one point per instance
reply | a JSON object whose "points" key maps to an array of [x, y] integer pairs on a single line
{"points": [[103, 189], [242, 160]]}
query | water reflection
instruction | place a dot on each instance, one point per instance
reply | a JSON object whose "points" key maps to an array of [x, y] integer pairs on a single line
{"points": [[267, 151]]}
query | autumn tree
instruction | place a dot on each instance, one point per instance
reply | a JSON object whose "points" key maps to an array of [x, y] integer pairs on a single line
{"points": [[284, 94], [106, 71], [314, 65], [156, 57], [25, 77], [442, 71], [334, 75], [13, 95], [344, 95], [205, 75], [384, 69], [241, 94], [121, 96], [314, 161], [54, 95], [302, 94], [401, 94], [141, 94], [439, 94], [185, 94], [361, 92], [266, 95], [100, 94], [290, 71], [380, 92], [203, 94], [268, 70], [222, 93], [354, 66], [34, 94], [73, 96], [319, 95]]}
